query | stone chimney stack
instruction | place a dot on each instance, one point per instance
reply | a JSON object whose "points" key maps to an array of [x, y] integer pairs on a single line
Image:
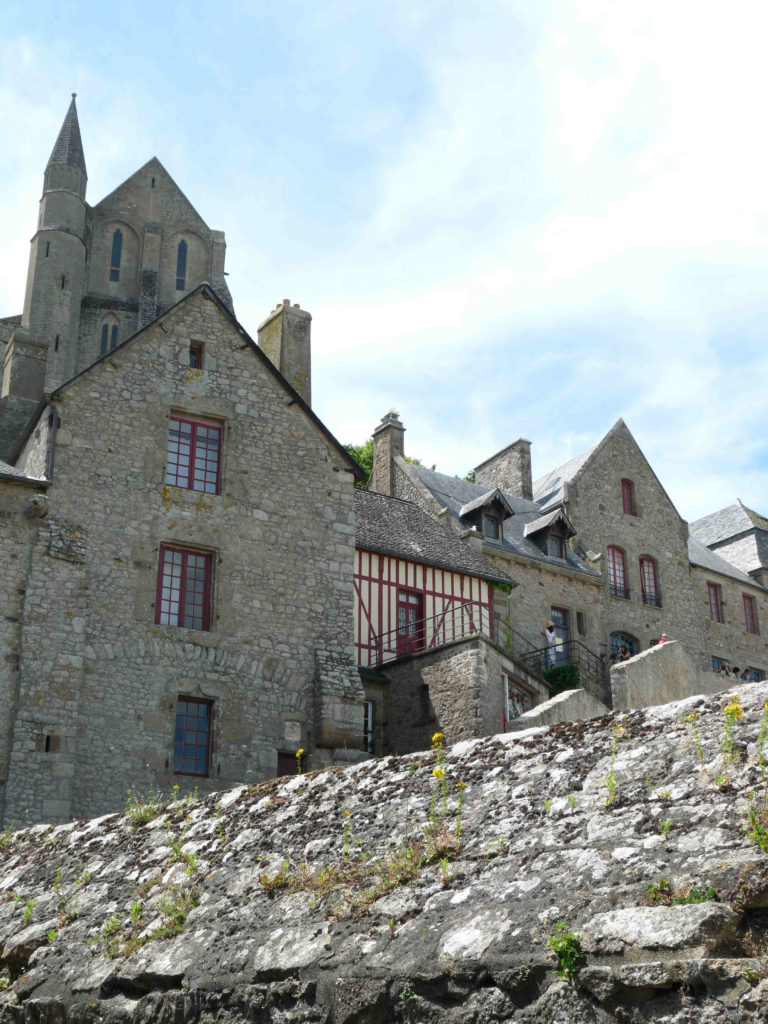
{"points": [[509, 470], [388, 442], [284, 340]]}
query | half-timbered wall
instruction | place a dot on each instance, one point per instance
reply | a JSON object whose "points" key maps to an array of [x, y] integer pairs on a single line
{"points": [[432, 607]]}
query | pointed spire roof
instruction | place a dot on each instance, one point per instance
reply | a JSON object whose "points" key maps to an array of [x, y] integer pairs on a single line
{"points": [[69, 146]]}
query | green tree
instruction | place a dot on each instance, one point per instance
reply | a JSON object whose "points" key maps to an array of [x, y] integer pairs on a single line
{"points": [[363, 456]]}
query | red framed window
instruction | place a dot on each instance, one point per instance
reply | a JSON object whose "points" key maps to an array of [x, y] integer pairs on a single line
{"points": [[715, 598], [192, 736], [628, 497], [750, 614], [184, 580], [193, 458], [617, 572], [196, 355], [649, 581]]}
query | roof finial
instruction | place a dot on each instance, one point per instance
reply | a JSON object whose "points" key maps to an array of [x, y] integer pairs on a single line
{"points": [[74, 95]]}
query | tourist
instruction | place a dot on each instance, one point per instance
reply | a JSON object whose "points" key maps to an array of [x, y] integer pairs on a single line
{"points": [[549, 633]]}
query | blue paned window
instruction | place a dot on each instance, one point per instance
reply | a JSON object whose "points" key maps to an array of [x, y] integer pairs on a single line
{"points": [[181, 266], [117, 251]]}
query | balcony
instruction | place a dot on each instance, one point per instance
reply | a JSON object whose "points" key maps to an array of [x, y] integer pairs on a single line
{"points": [[652, 599], [619, 591]]}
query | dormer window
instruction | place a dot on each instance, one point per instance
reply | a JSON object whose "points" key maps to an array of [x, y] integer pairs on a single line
{"points": [[492, 527], [556, 545]]}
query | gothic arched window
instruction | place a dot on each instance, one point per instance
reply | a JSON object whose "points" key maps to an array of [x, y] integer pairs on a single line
{"points": [[117, 251], [108, 338], [181, 265]]}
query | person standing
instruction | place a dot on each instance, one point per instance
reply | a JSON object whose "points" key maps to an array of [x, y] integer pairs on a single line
{"points": [[549, 633]]}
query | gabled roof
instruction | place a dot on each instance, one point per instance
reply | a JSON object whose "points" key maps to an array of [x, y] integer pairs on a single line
{"points": [[390, 526], [154, 165], [68, 149], [489, 498], [544, 522], [726, 523], [549, 490], [205, 289], [455, 494], [699, 554]]}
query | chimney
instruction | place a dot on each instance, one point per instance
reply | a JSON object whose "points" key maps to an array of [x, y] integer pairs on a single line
{"points": [[509, 470], [284, 340], [388, 441]]}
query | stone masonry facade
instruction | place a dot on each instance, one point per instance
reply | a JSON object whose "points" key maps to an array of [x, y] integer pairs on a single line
{"points": [[94, 691]]}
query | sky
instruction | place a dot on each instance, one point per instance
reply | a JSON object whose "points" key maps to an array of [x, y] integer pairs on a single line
{"points": [[506, 218]]}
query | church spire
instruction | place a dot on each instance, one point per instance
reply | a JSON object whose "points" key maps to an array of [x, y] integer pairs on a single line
{"points": [[68, 150]]}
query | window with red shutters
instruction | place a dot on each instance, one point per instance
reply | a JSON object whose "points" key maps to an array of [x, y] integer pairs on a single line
{"points": [[750, 614], [184, 581], [193, 458], [617, 572], [715, 598], [649, 581], [628, 497]]}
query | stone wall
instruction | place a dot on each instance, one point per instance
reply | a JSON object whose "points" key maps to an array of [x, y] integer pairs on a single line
{"points": [[663, 673], [569, 706], [595, 506], [277, 662], [321, 898], [729, 640]]}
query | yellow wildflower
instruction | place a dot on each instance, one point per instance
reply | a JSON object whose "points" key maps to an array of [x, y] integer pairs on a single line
{"points": [[437, 740], [438, 773], [300, 752], [461, 785]]}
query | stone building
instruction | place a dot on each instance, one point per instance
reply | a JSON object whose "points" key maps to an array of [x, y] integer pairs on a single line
{"points": [[434, 654], [98, 273], [177, 557], [597, 547]]}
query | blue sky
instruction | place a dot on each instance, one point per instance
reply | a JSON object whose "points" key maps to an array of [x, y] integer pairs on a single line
{"points": [[507, 219]]}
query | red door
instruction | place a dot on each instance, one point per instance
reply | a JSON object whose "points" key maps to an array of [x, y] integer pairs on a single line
{"points": [[410, 622]]}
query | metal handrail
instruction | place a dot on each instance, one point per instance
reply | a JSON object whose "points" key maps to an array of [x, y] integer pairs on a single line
{"points": [[456, 622], [593, 671]]}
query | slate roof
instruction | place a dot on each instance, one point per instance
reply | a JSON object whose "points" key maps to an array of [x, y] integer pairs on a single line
{"points": [[700, 554], [549, 490], [455, 494], [400, 528], [68, 149], [726, 523]]}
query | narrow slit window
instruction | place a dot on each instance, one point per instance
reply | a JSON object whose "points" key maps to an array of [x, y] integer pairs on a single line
{"points": [[104, 339], [715, 599], [628, 497], [181, 266], [117, 251], [750, 614], [196, 355]]}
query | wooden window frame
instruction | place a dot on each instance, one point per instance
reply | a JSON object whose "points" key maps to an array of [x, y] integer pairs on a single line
{"points": [[715, 599], [207, 588], [183, 699], [411, 640], [175, 479], [750, 614], [628, 497], [649, 581], [196, 355], [617, 572]]}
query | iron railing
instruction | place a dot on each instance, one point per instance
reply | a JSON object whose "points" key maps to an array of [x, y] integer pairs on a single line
{"points": [[617, 590], [593, 673], [652, 599], [456, 622]]}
